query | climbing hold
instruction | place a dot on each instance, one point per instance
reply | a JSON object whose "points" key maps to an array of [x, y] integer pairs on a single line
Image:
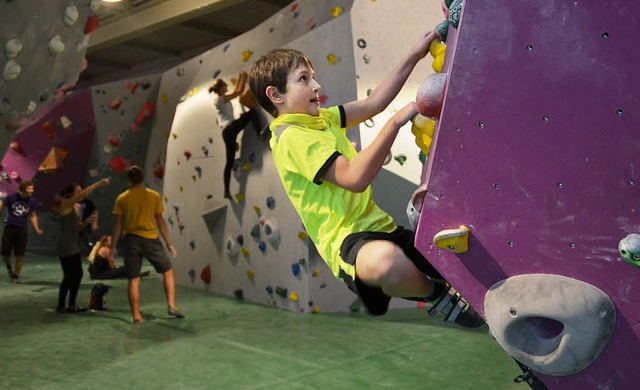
{"points": [[244, 251], [198, 170], [294, 296], [246, 55], [65, 122], [205, 274], [192, 275], [315, 273], [400, 158], [114, 104], [12, 48], [629, 248], [56, 46], [158, 172], [336, 11], [543, 332], [438, 50], [144, 114], [240, 197], [53, 160], [11, 71], [271, 203], [269, 289], [92, 24], [238, 294], [192, 244], [295, 268], [232, 247], [246, 166], [16, 147], [315, 310], [271, 230], [113, 139], [455, 240], [387, 159], [422, 127], [262, 246], [331, 59], [250, 274], [302, 236], [430, 96], [255, 231], [281, 291]]}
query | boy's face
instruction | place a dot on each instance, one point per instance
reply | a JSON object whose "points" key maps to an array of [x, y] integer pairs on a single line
{"points": [[28, 191], [302, 92]]}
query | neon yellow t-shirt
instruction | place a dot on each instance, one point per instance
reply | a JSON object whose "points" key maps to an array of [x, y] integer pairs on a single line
{"points": [[302, 153], [138, 206]]}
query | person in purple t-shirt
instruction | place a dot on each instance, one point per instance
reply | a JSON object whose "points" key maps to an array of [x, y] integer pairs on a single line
{"points": [[20, 207]]}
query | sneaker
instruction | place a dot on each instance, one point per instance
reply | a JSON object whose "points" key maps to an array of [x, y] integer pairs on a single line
{"points": [[456, 309], [174, 312], [138, 321], [11, 274], [75, 309], [16, 280]]}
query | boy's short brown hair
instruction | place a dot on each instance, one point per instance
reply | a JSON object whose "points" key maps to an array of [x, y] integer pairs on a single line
{"points": [[272, 69], [135, 174], [24, 184]]}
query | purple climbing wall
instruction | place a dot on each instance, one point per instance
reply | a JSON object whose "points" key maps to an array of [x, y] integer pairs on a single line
{"points": [[67, 128], [537, 152]]}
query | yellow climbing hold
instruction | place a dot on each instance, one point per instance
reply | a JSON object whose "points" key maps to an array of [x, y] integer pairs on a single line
{"points": [[336, 11], [454, 240], [331, 59], [294, 296], [246, 55]]}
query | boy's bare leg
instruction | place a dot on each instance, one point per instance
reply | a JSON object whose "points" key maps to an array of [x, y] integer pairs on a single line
{"points": [[384, 264], [134, 298], [18, 266], [170, 288]]}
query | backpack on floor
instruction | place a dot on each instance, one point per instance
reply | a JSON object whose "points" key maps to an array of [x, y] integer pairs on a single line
{"points": [[97, 301]]}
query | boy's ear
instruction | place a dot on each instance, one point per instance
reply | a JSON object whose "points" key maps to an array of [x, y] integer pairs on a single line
{"points": [[274, 95]]}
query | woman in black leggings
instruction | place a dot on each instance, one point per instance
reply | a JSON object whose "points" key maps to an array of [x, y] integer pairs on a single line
{"points": [[68, 249], [231, 127]]}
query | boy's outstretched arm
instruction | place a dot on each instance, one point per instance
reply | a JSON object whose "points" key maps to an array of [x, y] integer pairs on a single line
{"points": [[356, 174], [360, 110]]}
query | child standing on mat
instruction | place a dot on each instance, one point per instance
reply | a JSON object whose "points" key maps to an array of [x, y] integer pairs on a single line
{"points": [[329, 183]]}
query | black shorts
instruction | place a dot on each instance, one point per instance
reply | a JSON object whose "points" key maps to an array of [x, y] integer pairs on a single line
{"points": [[13, 238], [376, 301]]}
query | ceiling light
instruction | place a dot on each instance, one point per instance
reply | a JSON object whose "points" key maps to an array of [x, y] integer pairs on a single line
{"points": [[112, 1]]}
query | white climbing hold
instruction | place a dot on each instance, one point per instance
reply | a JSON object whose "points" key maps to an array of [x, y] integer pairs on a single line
{"points": [[56, 46], [11, 71], [70, 16], [12, 48]]}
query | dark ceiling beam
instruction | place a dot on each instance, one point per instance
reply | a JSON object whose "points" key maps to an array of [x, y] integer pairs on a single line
{"points": [[152, 19], [152, 47], [210, 28], [110, 63]]}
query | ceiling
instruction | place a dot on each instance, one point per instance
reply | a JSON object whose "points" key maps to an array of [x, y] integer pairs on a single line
{"points": [[140, 37]]}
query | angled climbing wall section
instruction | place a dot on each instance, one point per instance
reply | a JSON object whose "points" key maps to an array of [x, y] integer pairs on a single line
{"points": [[537, 152]]}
